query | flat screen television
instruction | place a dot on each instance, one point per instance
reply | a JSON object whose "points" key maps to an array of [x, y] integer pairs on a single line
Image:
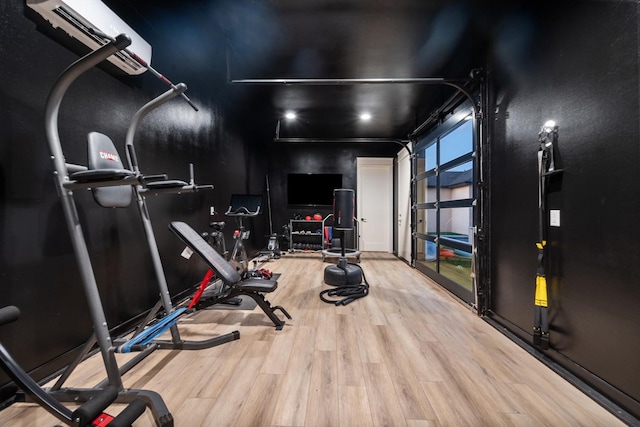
{"points": [[312, 189]]}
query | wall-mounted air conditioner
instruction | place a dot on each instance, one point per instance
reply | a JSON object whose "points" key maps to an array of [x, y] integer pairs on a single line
{"points": [[76, 17]]}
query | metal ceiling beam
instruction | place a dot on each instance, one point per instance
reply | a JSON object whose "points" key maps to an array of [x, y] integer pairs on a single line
{"points": [[346, 82], [342, 140], [405, 143]]}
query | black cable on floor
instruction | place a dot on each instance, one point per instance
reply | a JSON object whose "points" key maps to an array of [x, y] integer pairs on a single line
{"points": [[346, 293]]}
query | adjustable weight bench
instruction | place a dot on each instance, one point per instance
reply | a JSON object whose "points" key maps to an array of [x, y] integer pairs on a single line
{"points": [[234, 284]]}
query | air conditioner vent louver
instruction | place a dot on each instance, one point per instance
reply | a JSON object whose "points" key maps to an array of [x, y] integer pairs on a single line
{"points": [[122, 56], [78, 17]]}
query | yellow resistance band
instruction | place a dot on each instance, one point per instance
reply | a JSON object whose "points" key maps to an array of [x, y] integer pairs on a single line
{"points": [[541, 291]]}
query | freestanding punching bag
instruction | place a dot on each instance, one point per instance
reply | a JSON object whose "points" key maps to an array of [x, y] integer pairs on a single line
{"points": [[343, 209], [343, 274]]}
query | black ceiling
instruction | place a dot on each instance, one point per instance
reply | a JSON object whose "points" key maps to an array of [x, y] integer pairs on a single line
{"points": [[222, 42]]}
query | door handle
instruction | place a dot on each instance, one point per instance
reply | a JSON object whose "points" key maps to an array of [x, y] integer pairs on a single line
{"points": [[363, 219]]}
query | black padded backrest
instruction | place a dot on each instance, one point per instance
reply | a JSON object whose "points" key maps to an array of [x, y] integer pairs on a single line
{"points": [[214, 260], [103, 155]]}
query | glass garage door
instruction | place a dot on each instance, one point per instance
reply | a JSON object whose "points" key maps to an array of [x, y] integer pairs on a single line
{"points": [[445, 194]]}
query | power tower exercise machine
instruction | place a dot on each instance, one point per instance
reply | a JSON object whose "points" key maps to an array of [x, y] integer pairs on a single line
{"points": [[71, 177], [112, 185], [159, 184], [163, 316]]}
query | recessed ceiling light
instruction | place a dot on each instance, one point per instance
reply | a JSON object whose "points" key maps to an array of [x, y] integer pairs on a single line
{"points": [[365, 116], [290, 115]]}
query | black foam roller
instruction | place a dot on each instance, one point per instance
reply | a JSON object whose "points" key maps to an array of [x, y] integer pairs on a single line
{"points": [[129, 414], [93, 407]]}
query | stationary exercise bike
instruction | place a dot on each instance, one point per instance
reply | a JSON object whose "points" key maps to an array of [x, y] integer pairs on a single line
{"points": [[238, 258], [211, 287], [242, 206], [215, 238]]}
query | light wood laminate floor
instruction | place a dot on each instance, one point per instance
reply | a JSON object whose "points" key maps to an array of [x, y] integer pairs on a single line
{"points": [[406, 355]]}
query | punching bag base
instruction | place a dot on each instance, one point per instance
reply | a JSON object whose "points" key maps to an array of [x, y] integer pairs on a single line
{"points": [[343, 275]]}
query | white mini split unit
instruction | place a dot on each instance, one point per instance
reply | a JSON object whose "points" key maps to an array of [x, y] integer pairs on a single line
{"points": [[76, 17]]}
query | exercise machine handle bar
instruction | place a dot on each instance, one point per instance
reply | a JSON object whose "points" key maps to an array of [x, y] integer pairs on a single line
{"points": [[141, 114]]}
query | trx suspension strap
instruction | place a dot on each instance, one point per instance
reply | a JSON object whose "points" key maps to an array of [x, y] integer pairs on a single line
{"points": [[548, 139]]}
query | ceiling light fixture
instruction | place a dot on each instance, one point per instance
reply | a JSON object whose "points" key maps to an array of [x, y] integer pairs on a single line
{"points": [[290, 115], [365, 116]]}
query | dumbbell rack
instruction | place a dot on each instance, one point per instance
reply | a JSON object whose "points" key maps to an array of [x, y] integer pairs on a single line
{"points": [[305, 235]]}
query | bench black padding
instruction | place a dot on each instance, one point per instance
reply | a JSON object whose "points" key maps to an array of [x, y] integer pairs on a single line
{"points": [[103, 157], [164, 184], [253, 287], [197, 244], [257, 284]]}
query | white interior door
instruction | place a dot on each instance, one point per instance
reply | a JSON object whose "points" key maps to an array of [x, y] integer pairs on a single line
{"points": [[404, 205], [375, 203]]}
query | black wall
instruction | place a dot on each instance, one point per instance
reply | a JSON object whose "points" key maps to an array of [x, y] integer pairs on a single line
{"points": [[38, 271], [576, 63]]}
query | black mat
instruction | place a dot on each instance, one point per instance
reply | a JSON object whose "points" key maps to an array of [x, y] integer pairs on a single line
{"points": [[246, 303]]}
